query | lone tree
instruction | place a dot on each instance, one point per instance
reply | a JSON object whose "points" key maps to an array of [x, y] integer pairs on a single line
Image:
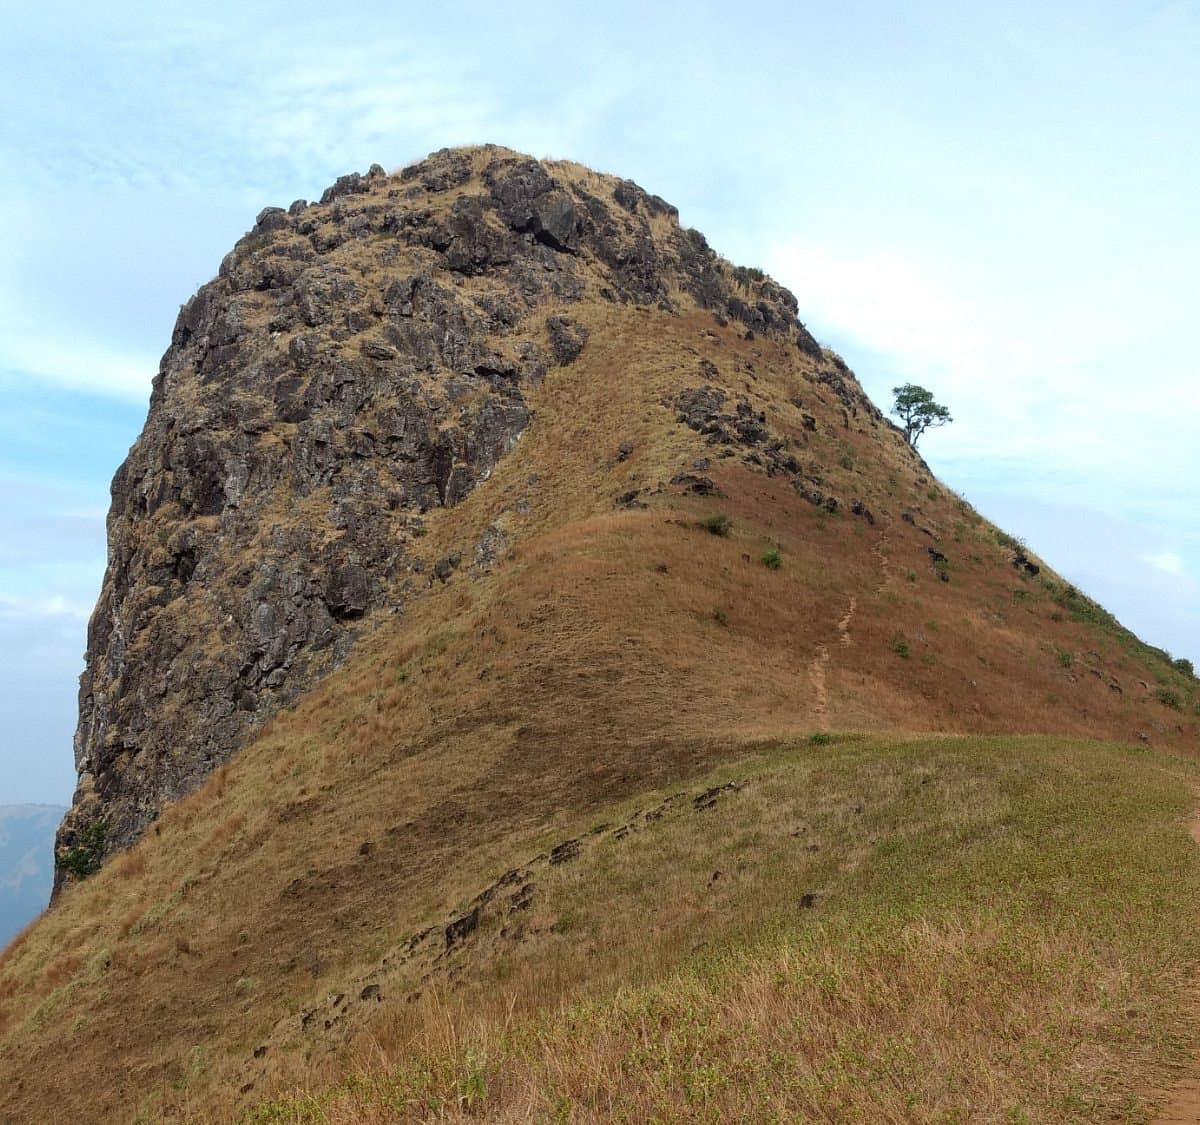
{"points": [[914, 406]]}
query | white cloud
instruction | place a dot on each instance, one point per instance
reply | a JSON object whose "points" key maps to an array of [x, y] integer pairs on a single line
{"points": [[79, 365], [886, 302], [54, 606], [1166, 561], [1065, 385]]}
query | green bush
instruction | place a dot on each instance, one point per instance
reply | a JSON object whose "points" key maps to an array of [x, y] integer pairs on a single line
{"points": [[900, 647], [84, 858], [1183, 665], [772, 559], [719, 616], [717, 524], [1168, 698]]}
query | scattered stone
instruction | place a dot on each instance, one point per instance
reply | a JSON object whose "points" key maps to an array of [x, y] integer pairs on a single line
{"points": [[567, 339], [1021, 562], [444, 567], [461, 927], [860, 509], [565, 852], [694, 483]]}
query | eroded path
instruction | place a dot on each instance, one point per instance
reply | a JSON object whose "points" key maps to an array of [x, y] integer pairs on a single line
{"points": [[818, 668]]}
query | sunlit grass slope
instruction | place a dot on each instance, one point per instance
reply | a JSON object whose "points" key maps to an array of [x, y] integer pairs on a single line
{"points": [[942, 929]]}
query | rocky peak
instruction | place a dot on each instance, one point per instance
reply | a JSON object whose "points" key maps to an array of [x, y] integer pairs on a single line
{"points": [[356, 363]]}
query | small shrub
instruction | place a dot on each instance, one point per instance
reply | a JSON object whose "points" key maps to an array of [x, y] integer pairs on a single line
{"points": [[821, 738], [1009, 542], [717, 524], [900, 648], [1066, 659], [472, 1083], [911, 575], [1184, 665], [719, 616], [846, 461], [84, 858], [1168, 698], [748, 275], [771, 559]]}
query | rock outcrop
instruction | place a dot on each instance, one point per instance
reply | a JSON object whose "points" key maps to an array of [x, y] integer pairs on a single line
{"points": [[356, 363]]}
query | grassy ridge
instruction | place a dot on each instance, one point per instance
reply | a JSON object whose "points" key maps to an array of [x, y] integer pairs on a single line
{"points": [[949, 929]]}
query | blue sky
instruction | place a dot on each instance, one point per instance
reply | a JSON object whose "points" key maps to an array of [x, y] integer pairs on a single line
{"points": [[995, 201]]}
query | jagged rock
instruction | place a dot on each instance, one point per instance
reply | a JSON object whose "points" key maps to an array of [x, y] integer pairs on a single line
{"points": [[355, 363], [461, 928], [443, 568], [349, 592], [1022, 562], [860, 509], [694, 482], [567, 339]]}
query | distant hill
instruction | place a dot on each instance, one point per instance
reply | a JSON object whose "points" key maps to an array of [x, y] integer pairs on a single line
{"points": [[26, 863]]}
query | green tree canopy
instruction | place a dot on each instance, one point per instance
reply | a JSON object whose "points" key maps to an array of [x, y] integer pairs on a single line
{"points": [[916, 408]]}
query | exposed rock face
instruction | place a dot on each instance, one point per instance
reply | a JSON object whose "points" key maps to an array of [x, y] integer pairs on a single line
{"points": [[356, 363]]}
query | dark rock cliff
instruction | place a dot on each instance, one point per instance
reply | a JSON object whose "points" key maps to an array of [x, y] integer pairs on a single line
{"points": [[356, 363]]}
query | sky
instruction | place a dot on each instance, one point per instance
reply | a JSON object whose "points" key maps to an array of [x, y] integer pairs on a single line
{"points": [[994, 201]]}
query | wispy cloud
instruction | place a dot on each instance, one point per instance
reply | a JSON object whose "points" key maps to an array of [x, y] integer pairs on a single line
{"points": [[79, 365], [1167, 561], [55, 606], [1075, 387]]}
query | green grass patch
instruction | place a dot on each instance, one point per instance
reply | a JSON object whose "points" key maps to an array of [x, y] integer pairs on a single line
{"points": [[941, 929], [771, 559]]}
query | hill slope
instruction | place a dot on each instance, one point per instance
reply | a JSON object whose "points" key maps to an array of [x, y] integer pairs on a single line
{"points": [[426, 578], [26, 863]]}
